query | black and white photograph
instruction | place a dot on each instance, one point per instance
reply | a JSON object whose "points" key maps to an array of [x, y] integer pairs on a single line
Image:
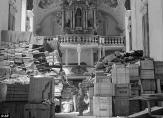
{"points": [[81, 58]]}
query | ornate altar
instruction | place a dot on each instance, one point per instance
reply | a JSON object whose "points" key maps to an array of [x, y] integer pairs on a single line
{"points": [[79, 16]]}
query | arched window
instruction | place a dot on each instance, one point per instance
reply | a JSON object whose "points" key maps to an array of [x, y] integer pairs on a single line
{"points": [[78, 18]]}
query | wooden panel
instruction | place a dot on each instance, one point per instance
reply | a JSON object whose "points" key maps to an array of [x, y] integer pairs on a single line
{"points": [[147, 74], [102, 106], [104, 89], [158, 67], [148, 85], [146, 64], [120, 74]]}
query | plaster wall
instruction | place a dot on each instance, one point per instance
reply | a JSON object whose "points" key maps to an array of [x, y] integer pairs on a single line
{"points": [[136, 25], [156, 29]]}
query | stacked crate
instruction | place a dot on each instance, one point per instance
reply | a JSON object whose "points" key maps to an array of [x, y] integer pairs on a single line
{"points": [[120, 77], [126, 79], [148, 82], [103, 92]]}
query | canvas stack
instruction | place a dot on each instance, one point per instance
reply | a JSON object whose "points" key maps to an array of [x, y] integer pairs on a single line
{"points": [[103, 92]]}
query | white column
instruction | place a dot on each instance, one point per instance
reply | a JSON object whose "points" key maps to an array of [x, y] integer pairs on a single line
{"points": [[23, 15], [156, 29], [79, 53], [66, 56]]}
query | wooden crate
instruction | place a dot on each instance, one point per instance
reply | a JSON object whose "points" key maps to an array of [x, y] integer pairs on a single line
{"points": [[122, 90], [36, 111], [120, 74], [14, 109], [121, 106], [14, 92], [104, 89], [146, 64], [102, 106], [148, 85], [39, 89], [133, 70], [158, 67], [147, 74]]}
